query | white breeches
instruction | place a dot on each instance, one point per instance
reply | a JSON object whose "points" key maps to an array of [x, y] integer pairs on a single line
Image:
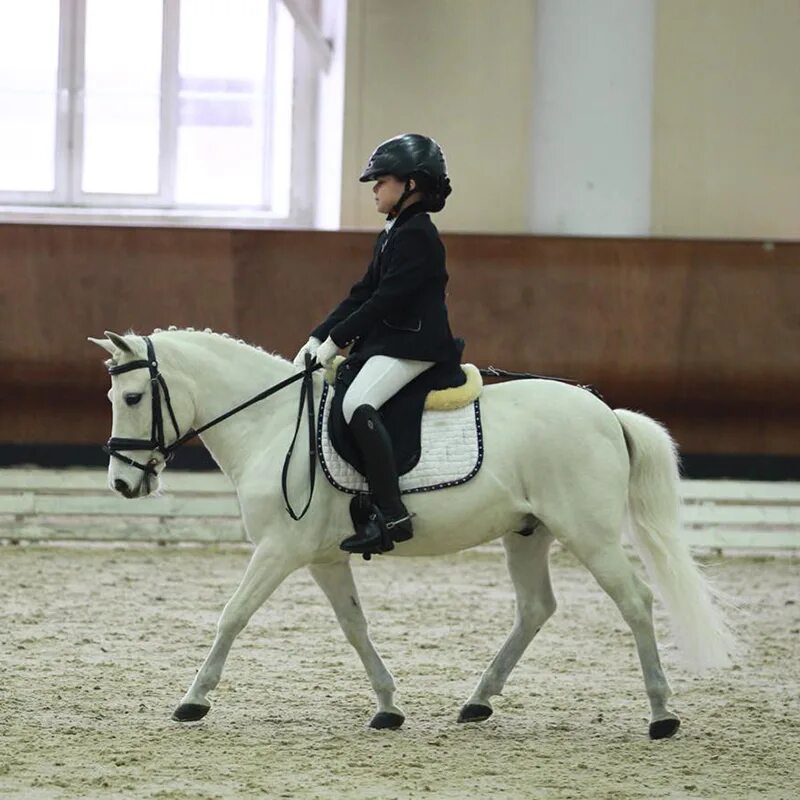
{"points": [[380, 378]]}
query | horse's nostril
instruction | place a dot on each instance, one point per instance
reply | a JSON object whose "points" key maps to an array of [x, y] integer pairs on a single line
{"points": [[121, 486]]}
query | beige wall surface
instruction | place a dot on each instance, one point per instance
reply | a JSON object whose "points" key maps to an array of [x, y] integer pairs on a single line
{"points": [[726, 110], [457, 70], [726, 149]]}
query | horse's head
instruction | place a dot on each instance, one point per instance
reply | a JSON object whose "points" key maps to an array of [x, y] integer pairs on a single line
{"points": [[151, 407]]}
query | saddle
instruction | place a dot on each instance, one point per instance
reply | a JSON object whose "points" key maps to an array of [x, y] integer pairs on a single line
{"points": [[442, 387], [453, 448]]}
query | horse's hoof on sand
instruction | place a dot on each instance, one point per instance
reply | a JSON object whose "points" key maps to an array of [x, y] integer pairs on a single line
{"points": [[189, 712], [386, 720], [664, 728], [473, 712]]}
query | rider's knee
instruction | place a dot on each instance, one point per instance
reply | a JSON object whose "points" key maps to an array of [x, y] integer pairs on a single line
{"points": [[353, 404]]}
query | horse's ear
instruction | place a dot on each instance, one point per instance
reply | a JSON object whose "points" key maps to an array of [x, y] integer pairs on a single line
{"points": [[118, 341], [104, 343]]}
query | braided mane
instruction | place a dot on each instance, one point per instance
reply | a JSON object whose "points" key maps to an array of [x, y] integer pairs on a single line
{"points": [[210, 332]]}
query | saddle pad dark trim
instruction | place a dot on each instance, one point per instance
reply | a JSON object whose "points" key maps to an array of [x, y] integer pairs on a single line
{"points": [[333, 482]]}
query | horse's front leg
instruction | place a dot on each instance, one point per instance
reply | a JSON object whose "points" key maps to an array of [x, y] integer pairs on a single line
{"points": [[266, 571], [336, 580]]}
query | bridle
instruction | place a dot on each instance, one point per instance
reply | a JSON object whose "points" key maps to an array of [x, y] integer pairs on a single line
{"points": [[157, 442]]}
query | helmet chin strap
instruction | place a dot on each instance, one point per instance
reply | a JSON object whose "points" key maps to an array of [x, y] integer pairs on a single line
{"points": [[407, 191]]}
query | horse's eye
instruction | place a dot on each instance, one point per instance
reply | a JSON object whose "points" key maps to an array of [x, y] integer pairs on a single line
{"points": [[132, 399]]}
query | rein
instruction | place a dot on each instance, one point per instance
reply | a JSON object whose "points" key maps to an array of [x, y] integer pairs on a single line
{"points": [[157, 442]]}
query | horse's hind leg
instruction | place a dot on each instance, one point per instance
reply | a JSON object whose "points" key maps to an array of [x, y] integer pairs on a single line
{"points": [[609, 564], [336, 580], [265, 572], [528, 565]]}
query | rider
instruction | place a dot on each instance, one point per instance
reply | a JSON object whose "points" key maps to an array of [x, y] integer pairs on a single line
{"points": [[395, 315]]}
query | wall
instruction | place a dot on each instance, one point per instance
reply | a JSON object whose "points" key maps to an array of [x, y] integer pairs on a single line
{"points": [[723, 76], [458, 70], [590, 128], [727, 119], [704, 335]]}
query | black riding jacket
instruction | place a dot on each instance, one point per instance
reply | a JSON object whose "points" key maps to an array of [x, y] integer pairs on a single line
{"points": [[398, 308]]}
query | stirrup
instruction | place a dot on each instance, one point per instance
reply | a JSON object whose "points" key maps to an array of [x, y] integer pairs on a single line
{"points": [[369, 532], [372, 537], [373, 533]]}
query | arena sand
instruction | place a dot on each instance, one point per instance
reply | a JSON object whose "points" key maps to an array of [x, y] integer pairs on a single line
{"points": [[99, 643]]}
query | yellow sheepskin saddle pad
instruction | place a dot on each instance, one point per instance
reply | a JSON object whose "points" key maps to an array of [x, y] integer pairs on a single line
{"points": [[436, 433]]}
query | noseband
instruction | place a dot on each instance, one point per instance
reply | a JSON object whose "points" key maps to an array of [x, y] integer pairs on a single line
{"points": [[157, 443]]}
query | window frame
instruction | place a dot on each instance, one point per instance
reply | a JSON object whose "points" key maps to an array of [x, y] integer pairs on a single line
{"points": [[69, 203]]}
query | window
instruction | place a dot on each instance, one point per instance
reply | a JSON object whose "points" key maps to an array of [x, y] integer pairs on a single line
{"points": [[181, 105], [28, 95]]}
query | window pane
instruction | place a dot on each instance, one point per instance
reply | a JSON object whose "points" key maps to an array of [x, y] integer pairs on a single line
{"points": [[282, 109], [28, 84], [122, 96], [221, 120]]}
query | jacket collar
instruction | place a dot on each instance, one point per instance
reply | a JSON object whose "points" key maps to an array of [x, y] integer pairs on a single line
{"points": [[407, 213]]}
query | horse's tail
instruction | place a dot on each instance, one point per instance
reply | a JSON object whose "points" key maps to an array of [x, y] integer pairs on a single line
{"points": [[700, 628]]}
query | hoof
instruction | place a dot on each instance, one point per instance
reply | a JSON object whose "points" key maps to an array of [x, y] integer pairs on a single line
{"points": [[385, 720], [664, 728], [474, 713], [189, 712]]}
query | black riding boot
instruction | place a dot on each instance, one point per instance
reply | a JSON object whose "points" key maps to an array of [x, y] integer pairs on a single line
{"points": [[378, 456]]}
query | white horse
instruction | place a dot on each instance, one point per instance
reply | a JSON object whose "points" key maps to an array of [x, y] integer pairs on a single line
{"points": [[557, 460]]}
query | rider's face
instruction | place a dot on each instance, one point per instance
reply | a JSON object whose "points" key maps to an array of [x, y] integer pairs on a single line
{"points": [[387, 190]]}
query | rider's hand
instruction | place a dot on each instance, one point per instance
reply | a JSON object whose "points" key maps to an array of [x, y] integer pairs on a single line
{"points": [[310, 347], [327, 351]]}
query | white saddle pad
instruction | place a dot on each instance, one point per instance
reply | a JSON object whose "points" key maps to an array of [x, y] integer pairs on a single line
{"points": [[452, 451]]}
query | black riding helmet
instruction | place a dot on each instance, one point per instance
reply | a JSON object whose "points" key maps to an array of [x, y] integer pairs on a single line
{"points": [[412, 155]]}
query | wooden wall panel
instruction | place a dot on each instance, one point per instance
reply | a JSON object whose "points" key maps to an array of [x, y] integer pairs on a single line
{"points": [[59, 285], [287, 281], [704, 335]]}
